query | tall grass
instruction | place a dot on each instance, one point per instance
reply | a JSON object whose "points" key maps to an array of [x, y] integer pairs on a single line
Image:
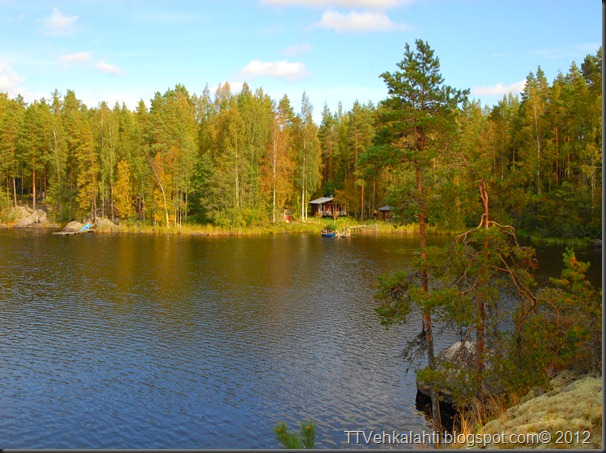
{"points": [[213, 230]]}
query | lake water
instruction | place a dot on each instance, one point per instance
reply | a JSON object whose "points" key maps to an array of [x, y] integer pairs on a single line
{"points": [[126, 341]]}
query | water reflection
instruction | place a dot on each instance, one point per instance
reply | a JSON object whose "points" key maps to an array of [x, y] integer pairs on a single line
{"points": [[169, 342]]}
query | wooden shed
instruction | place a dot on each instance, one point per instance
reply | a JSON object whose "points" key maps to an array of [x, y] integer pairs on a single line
{"points": [[386, 210], [327, 207]]}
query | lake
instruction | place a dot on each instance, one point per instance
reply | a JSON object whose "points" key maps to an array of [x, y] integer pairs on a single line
{"points": [[133, 341]]}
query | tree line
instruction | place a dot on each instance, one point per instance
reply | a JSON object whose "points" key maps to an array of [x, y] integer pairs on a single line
{"points": [[237, 159]]}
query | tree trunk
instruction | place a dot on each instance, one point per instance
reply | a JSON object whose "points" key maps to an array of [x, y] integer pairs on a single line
{"points": [[427, 324], [33, 188], [480, 306], [163, 195], [15, 190], [362, 204]]}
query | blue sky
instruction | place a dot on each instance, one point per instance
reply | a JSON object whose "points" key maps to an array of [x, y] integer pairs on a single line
{"points": [[334, 50]]}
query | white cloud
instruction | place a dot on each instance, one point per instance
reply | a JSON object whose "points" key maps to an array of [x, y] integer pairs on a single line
{"points": [[499, 89], [279, 69], [10, 80], [60, 24], [359, 22], [296, 49], [367, 4], [108, 68], [234, 86], [78, 57]]}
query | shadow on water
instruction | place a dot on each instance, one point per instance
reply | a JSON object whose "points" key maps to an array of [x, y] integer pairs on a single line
{"points": [[448, 412]]}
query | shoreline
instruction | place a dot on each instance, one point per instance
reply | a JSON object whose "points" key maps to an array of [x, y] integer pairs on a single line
{"points": [[38, 221], [310, 227]]}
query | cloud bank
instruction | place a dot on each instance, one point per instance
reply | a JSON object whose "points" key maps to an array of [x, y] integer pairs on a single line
{"points": [[498, 89], [78, 57], [278, 69], [359, 22], [9, 80], [108, 68], [366, 4], [60, 24]]}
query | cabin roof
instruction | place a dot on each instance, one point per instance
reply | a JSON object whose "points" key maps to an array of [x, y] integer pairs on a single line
{"points": [[386, 208], [321, 200]]}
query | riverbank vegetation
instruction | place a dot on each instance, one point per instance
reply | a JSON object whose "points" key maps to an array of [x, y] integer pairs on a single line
{"points": [[243, 159], [514, 336]]}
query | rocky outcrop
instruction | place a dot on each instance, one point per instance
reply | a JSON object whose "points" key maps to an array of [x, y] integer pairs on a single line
{"points": [[29, 218], [105, 225], [567, 416], [73, 227]]}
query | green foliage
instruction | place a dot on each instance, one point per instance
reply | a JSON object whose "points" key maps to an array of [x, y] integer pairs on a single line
{"points": [[394, 297], [197, 157], [123, 192], [564, 331], [303, 439]]}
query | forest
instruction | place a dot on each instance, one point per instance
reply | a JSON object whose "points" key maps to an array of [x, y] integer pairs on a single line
{"points": [[241, 159]]}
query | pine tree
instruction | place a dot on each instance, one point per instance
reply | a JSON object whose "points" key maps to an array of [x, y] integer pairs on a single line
{"points": [[10, 125], [88, 172], [279, 164], [57, 190], [308, 155], [416, 122], [32, 148]]}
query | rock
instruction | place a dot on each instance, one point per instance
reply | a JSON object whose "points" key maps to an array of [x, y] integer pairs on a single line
{"points": [[460, 356], [29, 218], [73, 226], [105, 225]]}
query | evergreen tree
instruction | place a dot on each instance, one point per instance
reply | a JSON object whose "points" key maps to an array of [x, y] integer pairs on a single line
{"points": [[88, 172], [107, 126], [32, 148], [279, 163], [174, 151], [308, 155], [57, 190], [328, 135], [72, 112], [416, 123], [12, 111]]}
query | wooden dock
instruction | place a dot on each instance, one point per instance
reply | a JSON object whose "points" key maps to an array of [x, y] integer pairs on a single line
{"points": [[69, 229], [65, 233]]}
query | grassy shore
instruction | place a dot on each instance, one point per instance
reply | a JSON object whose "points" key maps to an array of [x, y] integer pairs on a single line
{"points": [[312, 225], [9, 217], [213, 230]]}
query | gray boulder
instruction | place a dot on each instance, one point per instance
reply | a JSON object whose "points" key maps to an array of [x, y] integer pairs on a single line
{"points": [[105, 225], [73, 226], [28, 218], [451, 361]]}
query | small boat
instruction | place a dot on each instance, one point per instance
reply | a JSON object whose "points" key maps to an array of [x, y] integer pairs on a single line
{"points": [[328, 234]]}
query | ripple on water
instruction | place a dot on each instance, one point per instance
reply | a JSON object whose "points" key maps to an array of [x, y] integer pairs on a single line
{"points": [[196, 344]]}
